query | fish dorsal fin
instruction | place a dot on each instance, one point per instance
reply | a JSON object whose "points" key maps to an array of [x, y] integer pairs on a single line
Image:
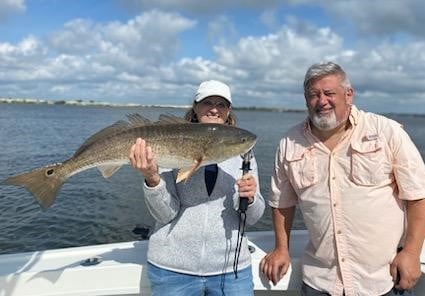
{"points": [[114, 128], [186, 173], [136, 120], [108, 170], [169, 118]]}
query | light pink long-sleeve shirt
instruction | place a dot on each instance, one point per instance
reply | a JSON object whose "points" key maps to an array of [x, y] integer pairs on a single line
{"points": [[351, 199]]}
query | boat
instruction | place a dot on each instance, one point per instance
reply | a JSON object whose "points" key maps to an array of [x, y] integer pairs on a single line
{"points": [[119, 269]]}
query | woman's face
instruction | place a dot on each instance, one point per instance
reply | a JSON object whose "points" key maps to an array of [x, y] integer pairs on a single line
{"points": [[213, 109]]}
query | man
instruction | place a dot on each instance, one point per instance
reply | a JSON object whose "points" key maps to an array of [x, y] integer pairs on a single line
{"points": [[360, 184]]}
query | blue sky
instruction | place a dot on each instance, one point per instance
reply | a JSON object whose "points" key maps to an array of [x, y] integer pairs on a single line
{"points": [[157, 52]]}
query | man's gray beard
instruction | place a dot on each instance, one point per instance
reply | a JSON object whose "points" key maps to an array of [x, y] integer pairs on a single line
{"points": [[325, 123]]}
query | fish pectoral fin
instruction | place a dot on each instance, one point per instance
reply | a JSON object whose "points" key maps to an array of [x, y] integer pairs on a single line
{"points": [[108, 170], [186, 173]]}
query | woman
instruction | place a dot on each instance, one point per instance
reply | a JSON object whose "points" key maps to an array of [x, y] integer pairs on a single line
{"points": [[193, 246]]}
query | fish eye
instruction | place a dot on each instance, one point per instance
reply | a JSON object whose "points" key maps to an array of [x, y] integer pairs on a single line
{"points": [[50, 172]]}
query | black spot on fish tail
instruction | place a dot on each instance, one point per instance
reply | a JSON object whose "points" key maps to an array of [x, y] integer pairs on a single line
{"points": [[43, 183]]}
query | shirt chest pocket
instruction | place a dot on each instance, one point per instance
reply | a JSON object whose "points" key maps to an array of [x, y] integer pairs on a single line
{"points": [[302, 168], [367, 162]]}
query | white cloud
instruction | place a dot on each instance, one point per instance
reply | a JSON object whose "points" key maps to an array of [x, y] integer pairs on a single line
{"points": [[282, 56], [221, 30], [148, 39], [269, 18], [380, 17], [78, 36], [135, 60], [271, 68], [20, 57], [105, 56], [391, 68], [8, 7], [200, 7]]}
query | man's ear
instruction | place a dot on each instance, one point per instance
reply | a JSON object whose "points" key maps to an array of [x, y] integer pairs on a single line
{"points": [[349, 94]]}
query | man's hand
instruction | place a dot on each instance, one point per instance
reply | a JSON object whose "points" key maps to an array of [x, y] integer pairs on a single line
{"points": [[405, 270], [275, 265]]}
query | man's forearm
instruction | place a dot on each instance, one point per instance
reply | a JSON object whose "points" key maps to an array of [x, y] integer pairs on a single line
{"points": [[282, 221], [415, 232]]}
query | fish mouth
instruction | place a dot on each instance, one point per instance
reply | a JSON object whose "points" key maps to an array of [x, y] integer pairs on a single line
{"points": [[250, 141], [253, 144]]}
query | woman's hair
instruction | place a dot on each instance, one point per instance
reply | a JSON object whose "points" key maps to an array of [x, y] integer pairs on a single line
{"points": [[191, 116], [320, 70]]}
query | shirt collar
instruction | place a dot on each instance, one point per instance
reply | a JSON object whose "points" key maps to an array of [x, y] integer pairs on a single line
{"points": [[354, 115], [306, 125]]}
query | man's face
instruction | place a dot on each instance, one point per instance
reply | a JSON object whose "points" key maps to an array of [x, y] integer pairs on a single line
{"points": [[328, 102]]}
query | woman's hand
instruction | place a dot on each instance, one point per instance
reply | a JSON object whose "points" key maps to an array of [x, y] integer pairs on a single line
{"points": [[247, 187], [142, 159]]}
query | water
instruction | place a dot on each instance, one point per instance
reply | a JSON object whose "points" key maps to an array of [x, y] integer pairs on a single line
{"points": [[92, 210]]}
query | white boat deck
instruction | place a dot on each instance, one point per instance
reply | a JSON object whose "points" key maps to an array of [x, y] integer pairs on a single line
{"points": [[120, 270]]}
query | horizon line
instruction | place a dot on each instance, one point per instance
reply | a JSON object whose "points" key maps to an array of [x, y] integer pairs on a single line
{"points": [[81, 102]]}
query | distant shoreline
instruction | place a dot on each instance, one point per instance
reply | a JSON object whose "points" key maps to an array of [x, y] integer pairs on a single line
{"points": [[107, 104], [92, 103]]}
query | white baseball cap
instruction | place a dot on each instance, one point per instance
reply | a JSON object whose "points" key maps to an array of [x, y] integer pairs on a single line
{"points": [[213, 88]]}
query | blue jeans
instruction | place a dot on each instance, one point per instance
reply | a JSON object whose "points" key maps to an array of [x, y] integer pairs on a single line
{"points": [[169, 283], [306, 290]]}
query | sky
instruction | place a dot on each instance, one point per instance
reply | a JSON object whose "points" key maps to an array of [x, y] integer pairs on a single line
{"points": [[157, 52]]}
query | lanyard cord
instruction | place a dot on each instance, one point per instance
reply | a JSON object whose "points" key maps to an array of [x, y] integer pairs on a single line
{"points": [[241, 233], [243, 205]]}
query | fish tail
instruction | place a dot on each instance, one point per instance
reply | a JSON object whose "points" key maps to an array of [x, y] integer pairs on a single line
{"points": [[44, 183]]}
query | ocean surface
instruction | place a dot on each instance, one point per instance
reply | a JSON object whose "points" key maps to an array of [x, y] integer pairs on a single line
{"points": [[90, 209]]}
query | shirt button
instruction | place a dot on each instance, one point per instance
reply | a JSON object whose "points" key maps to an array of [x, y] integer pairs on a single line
{"points": [[339, 232], [342, 260], [334, 204]]}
